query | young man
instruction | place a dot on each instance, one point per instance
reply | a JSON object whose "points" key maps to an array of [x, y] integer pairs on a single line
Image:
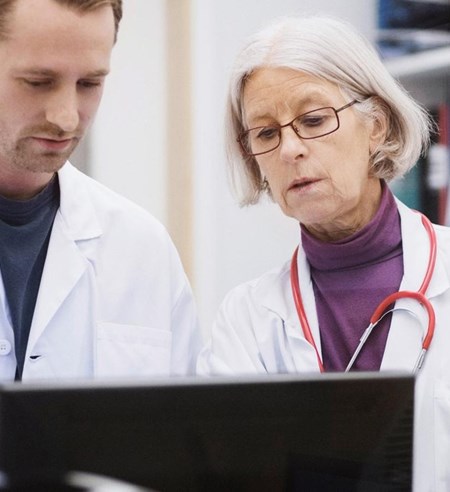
{"points": [[91, 285]]}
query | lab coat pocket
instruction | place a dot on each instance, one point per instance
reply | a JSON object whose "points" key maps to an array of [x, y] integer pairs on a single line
{"points": [[442, 435], [132, 351]]}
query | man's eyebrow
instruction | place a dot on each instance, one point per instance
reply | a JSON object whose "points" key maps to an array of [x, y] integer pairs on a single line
{"points": [[97, 73], [44, 72]]}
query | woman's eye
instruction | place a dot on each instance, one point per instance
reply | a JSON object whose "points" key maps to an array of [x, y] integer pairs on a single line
{"points": [[267, 133], [315, 120]]}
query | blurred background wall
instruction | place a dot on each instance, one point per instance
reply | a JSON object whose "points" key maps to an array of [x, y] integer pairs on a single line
{"points": [[158, 137]]}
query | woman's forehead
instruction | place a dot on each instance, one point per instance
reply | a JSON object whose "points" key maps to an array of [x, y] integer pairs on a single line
{"points": [[269, 89]]}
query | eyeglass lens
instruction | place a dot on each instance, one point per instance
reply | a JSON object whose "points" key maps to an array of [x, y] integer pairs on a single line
{"points": [[310, 125]]}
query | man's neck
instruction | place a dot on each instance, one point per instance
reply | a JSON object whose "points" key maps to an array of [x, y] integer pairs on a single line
{"points": [[22, 185]]}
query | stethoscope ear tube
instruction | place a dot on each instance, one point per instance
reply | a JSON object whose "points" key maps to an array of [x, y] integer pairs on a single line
{"points": [[407, 294], [380, 312]]}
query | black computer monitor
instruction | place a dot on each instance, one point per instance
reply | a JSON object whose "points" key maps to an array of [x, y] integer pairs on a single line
{"points": [[349, 432]]}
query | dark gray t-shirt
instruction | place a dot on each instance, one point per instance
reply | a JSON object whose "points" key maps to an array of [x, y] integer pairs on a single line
{"points": [[25, 228]]}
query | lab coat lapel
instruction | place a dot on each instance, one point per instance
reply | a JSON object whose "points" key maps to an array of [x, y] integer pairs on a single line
{"points": [[405, 336], [65, 264], [408, 327], [277, 297], [309, 302]]}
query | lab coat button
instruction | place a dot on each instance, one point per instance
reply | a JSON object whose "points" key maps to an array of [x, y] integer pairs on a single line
{"points": [[5, 347]]}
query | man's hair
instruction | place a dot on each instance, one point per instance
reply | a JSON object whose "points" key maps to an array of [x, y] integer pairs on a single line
{"points": [[6, 7]]}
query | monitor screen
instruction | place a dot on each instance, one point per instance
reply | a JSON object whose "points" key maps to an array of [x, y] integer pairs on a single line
{"points": [[269, 433]]}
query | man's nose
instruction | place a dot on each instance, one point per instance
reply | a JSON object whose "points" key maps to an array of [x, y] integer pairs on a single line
{"points": [[63, 111]]}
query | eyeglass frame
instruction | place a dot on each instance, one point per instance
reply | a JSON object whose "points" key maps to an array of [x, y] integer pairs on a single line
{"points": [[291, 124]]}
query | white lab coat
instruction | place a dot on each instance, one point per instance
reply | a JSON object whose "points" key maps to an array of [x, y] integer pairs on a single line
{"points": [[257, 331], [113, 300]]}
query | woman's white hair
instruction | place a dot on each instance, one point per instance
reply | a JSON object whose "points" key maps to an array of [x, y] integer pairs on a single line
{"points": [[334, 51]]}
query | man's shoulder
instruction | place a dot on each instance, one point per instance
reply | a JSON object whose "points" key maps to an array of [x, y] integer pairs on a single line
{"points": [[82, 195]]}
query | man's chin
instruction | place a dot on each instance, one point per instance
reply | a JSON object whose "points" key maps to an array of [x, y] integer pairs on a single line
{"points": [[50, 164]]}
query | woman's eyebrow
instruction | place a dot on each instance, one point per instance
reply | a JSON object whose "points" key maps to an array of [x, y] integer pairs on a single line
{"points": [[313, 96]]}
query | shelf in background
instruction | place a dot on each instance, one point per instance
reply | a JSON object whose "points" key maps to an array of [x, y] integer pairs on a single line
{"points": [[430, 63]]}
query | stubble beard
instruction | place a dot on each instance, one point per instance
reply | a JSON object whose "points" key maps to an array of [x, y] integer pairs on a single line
{"points": [[23, 158]]}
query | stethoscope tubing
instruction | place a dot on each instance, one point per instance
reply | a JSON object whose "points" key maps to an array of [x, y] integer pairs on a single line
{"points": [[380, 311], [295, 284]]}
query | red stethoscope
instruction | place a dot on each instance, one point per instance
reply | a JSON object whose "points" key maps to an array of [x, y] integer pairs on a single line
{"points": [[381, 310]]}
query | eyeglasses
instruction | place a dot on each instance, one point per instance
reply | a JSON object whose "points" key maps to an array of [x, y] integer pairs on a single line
{"points": [[313, 124]]}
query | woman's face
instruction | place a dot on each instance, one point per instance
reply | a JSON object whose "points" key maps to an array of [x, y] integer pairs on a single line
{"points": [[324, 183]]}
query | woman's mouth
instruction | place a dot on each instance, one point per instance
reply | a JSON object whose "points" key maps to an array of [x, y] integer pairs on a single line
{"points": [[301, 185]]}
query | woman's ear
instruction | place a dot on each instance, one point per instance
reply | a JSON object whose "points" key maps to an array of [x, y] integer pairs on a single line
{"points": [[379, 129]]}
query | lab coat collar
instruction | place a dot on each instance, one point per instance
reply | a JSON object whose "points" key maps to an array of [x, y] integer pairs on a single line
{"points": [[416, 251], [275, 292], [407, 330], [76, 220], [76, 208], [403, 346]]}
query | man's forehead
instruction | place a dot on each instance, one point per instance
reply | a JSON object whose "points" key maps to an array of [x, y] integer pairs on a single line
{"points": [[58, 32]]}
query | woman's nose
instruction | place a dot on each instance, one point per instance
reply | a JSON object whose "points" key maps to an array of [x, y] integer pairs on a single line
{"points": [[292, 146]]}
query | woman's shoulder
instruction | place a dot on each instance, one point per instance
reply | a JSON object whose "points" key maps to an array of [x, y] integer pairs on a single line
{"points": [[443, 232], [443, 240], [257, 290]]}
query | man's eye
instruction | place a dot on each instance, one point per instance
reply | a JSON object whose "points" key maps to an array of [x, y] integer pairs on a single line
{"points": [[37, 83], [88, 84]]}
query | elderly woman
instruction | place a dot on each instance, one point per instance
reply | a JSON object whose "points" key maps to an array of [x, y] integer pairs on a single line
{"points": [[316, 122]]}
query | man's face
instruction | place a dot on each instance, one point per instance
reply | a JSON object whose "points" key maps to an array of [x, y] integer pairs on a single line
{"points": [[53, 64]]}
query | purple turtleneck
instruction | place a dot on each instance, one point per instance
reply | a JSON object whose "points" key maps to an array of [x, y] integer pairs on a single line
{"points": [[350, 278]]}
